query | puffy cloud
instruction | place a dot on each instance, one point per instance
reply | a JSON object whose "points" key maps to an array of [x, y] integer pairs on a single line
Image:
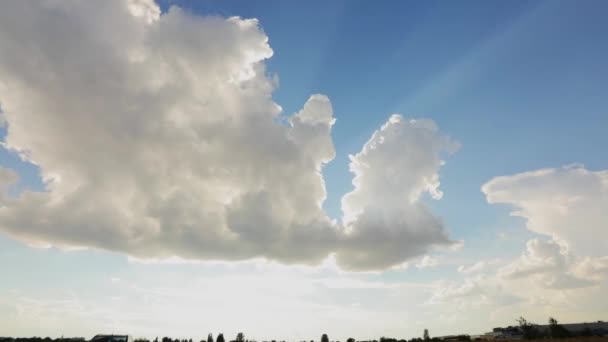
{"points": [[156, 135], [549, 264], [157, 138], [384, 211], [568, 204], [397, 165], [540, 257], [555, 274]]}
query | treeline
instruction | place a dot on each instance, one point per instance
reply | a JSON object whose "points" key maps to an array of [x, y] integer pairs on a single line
{"points": [[525, 330], [240, 337], [40, 339]]}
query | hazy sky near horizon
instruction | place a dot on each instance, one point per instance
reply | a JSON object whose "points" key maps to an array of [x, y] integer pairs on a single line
{"points": [[288, 169]]}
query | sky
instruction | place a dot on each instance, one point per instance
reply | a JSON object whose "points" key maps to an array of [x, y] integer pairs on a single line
{"points": [[288, 169]]}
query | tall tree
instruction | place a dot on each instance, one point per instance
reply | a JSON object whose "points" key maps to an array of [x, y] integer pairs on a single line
{"points": [[557, 330], [425, 335], [210, 337], [528, 329], [220, 338], [324, 338]]}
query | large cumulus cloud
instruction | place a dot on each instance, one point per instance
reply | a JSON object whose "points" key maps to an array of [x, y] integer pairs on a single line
{"points": [[156, 135]]}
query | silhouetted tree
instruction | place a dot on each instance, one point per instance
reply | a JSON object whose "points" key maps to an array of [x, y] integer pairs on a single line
{"points": [[324, 338], [350, 339], [528, 329], [220, 338], [210, 338], [240, 337], [557, 330], [425, 335]]}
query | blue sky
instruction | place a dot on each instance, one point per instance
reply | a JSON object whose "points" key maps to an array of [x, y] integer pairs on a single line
{"points": [[519, 85]]}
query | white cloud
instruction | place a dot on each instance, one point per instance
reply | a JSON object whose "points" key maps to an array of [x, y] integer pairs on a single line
{"points": [[569, 204], [473, 292], [540, 257], [395, 167], [157, 136], [549, 264], [428, 262], [456, 246], [554, 276], [475, 268], [592, 268], [446, 291]]}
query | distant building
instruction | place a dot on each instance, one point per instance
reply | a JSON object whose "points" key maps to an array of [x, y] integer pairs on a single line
{"points": [[595, 328], [508, 333], [112, 338], [450, 338], [599, 328]]}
